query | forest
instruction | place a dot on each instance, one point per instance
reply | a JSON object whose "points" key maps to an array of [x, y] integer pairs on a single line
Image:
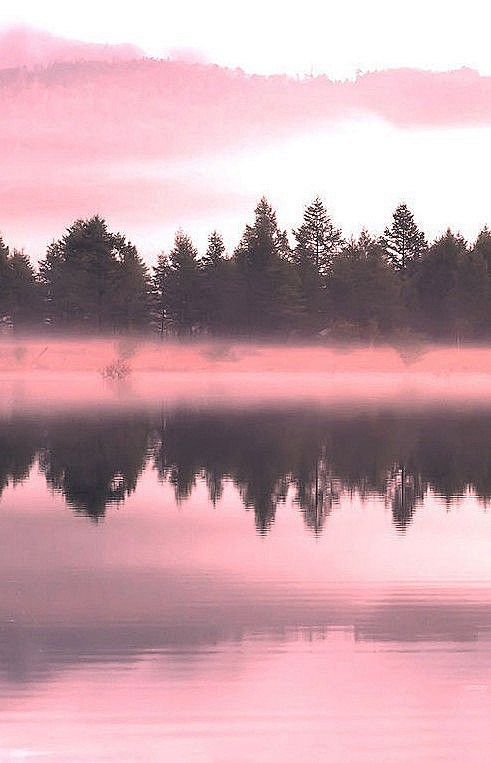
{"points": [[312, 283]]}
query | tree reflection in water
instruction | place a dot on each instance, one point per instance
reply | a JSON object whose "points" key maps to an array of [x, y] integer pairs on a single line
{"points": [[95, 462], [314, 455]]}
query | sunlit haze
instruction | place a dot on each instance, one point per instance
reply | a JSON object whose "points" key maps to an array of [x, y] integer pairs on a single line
{"points": [[319, 37], [151, 158]]}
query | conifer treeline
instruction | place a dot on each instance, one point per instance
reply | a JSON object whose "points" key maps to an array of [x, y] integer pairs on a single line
{"points": [[365, 288]]}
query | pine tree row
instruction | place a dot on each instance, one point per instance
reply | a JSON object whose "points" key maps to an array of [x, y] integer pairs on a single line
{"points": [[93, 280]]}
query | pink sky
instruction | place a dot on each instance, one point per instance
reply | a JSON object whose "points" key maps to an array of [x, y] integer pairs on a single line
{"points": [[153, 146], [276, 37]]}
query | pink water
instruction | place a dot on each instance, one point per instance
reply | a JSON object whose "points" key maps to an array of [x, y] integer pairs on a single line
{"points": [[178, 633], [141, 620]]}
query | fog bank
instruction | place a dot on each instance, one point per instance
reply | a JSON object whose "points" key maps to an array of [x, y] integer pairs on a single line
{"points": [[46, 372]]}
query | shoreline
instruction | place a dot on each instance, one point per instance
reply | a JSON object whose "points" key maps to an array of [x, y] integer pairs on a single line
{"points": [[72, 374], [24, 355]]}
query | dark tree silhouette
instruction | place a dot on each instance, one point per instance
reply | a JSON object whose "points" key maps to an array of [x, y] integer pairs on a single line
{"points": [[317, 240], [94, 279], [183, 286], [159, 294], [452, 289], [363, 292], [269, 298], [215, 253], [482, 247], [218, 289], [132, 291], [20, 294], [394, 287], [404, 242]]}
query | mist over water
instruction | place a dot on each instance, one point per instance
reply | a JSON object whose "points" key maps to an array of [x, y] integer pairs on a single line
{"points": [[217, 551], [140, 371]]}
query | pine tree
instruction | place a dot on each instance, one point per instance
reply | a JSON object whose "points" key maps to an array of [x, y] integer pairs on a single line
{"points": [[218, 287], [268, 298], [183, 285], [317, 243], [215, 252], [159, 289], [25, 292], [20, 295], [263, 240], [452, 289], [403, 241], [94, 279], [482, 247], [317, 238]]}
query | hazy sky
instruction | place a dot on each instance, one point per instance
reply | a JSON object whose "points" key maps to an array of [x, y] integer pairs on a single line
{"points": [[336, 38], [406, 139]]}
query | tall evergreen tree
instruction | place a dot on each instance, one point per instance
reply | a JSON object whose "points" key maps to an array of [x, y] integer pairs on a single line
{"points": [[94, 279], [218, 287], [263, 240], [20, 296], [482, 247], [79, 273], [268, 299], [183, 285], [317, 240], [25, 293], [403, 241], [159, 288], [215, 253]]}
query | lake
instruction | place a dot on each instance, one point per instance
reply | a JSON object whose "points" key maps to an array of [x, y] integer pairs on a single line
{"points": [[204, 581]]}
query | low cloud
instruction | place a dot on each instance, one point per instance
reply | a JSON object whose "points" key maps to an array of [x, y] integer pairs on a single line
{"points": [[22, 46], [69, 127]]}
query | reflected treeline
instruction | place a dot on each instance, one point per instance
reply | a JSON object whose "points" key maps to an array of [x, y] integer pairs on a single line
{"points": [[313, 455], [94, 462], [19, 443]]}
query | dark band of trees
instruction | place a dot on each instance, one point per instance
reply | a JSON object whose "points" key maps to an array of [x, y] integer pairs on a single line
{"points": [[92, 280], [314, 455]]}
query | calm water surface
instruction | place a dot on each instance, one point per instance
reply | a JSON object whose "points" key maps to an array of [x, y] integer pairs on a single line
{"points": [[265, 584]]}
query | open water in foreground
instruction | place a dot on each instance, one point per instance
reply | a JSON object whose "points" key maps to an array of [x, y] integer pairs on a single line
{"points": [[246, 585]]}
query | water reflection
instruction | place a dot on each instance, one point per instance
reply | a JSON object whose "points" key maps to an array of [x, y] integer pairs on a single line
{"points": [[96, 460], [165, 634], [34, 653], [19, 442]]}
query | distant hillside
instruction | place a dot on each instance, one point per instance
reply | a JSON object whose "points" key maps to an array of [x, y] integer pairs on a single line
{"points": [[91, 129], [23, 46], [146, 108]]}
